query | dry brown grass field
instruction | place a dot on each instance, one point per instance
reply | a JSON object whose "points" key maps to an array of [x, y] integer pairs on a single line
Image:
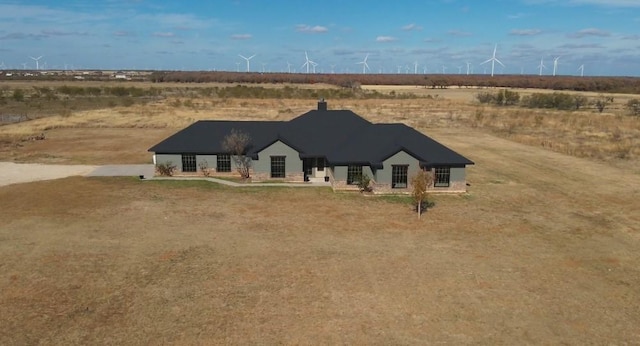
{"points": [[544, 249], [612, 136]]}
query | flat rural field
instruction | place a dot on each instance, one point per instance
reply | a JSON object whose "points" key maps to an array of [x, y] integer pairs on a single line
{"points": [[544, 249]]}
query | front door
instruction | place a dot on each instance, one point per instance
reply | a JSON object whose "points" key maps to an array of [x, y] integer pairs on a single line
{"points": [[319, 165], [307, 168]]}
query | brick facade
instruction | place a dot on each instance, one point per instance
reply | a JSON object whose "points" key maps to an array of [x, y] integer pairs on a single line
{"points": [[290, 177]]}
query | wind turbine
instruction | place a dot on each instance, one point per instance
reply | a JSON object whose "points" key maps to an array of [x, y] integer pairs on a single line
{"points": [[444, 69], [263, 65], [247, 59], [415, 67], [364, 64], [460, 69], [555, 65], [399, 69], [332, 68], [24, 65], [493, 60], [581, 69], [541, 66], [237, 67], [308, 63], [36, 60], [288, 67], [468, 67]]}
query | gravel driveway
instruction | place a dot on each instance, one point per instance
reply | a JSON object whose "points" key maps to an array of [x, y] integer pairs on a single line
{"points": [[123, 171], [15, 173]]}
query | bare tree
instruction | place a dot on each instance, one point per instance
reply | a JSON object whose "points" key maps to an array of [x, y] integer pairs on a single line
{"points": [[237, 143], [421, 182], [602, 101]]}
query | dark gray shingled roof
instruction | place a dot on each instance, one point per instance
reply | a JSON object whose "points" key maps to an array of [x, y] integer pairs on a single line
{"points": [[205, 136], [341, 136]]}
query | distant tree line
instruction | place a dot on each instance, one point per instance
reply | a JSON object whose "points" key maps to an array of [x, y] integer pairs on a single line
{"points": [[555, 100], [435, 81]]}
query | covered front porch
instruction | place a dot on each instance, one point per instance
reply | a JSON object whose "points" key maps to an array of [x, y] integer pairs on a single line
{"points": [[315, 170]]}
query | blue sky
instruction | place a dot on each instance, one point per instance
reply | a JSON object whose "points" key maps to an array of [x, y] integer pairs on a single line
{"points": [[602, 35]]}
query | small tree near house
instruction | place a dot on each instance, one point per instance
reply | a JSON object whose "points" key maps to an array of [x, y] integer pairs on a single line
{"points": [[204, 168], [421, 182], [237, 143], [364, 183]]}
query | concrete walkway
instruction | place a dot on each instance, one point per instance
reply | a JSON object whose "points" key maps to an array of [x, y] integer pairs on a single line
{"points": [[234, 184], [15, 173]]}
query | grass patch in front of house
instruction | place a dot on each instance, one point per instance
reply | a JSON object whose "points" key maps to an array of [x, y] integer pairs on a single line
{"points": [[395, 198], [233, 179], [188, 183]]}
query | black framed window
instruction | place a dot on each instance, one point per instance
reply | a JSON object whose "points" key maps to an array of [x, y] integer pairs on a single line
{"points": [[442, 177], [223, 163], [189, 163], [354, 174], [277, 166], [399, 176]]}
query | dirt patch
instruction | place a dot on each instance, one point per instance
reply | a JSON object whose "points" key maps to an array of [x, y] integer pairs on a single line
{"points": [[94, 146]]}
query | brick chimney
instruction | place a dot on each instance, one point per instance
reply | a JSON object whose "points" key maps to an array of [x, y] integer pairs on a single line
{"points": [[322, 105]]}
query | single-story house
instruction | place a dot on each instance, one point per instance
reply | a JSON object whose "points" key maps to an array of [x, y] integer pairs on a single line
{"points": [[334, 146]]}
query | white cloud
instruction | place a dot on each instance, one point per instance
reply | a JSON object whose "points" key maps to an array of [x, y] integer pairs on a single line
{"points": [[581, 46], [164, 34], [610, 3], [525, 32], [412, 27], [589, 32], [45, 14], [21, 36], [386, 39], [458, 33], [241, 36], [54, 32], [317, 29], [123, 33], [174, 21], [604, 3]]}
